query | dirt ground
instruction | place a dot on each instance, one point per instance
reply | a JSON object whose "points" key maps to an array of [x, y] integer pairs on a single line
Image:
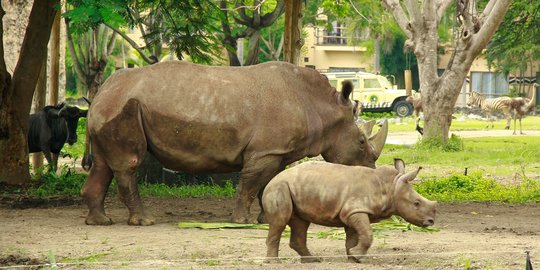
{"points": [[475, 235]]}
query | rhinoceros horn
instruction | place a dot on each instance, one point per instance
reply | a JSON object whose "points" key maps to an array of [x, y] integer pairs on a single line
{"points": [[408, 177], [379, 139]]}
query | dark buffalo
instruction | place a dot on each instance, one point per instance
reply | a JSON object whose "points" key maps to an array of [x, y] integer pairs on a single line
{"points": [[50, 128], [196, 118]]}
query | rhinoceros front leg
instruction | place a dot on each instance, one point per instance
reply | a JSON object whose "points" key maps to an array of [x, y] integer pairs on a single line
{"points": [[129, 194], [256, 173], [359, 236], [298, 240]]}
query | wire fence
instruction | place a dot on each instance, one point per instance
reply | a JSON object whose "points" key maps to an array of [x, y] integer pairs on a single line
{"points": [[250, 261]]}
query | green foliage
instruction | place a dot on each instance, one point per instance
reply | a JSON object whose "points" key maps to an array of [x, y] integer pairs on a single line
{"points": [[474, 187], [89, 14], [504, 157], [517, 40], [192, 191], [396, 61]]}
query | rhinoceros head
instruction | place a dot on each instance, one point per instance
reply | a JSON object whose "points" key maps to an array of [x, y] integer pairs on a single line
{"points": [[349, 144], [408, 203]]}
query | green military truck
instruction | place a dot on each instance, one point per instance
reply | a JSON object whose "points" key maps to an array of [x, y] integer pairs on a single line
{"points": [[374, 92]]}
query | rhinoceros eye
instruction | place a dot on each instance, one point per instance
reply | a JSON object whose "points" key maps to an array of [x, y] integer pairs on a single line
{"points": [[362, 141], [417, 203]]}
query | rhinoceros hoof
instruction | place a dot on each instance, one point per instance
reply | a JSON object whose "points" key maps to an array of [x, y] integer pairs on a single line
{"points": [[240, 219], [310, 259], [140, 220], [102, 220], [353, 259], [271, 260]]}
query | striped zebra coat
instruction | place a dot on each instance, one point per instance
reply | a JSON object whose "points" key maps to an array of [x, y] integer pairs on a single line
{"points": [[492, 105]]}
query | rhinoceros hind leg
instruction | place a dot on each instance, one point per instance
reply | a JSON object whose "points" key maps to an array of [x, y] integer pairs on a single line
{"points": [[298, 240], [359, 236], [272, 242], [256, 173], [129, 195], [94, 191]]}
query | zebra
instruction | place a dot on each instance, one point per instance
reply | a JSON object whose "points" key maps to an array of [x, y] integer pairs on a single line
{"points": [[492, 105]]}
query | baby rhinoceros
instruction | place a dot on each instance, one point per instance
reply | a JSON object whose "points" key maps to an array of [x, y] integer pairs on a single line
{"points": [[340, 196]]}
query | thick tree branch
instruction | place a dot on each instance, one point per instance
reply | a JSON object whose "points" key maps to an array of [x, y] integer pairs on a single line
{"points": [[241, 7], [399, 15], [429, 10], [110, 45], [132, 43], [413, 10], [442, 6], [490, 25], [269, 18], [488, 8], [256, 21], [31, 56], [104, 41], [76, 62], [2, 59]]}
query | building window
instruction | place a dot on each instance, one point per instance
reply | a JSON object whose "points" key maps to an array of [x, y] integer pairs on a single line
{"points": [[306, 59], [310, 66], [490, 84]]}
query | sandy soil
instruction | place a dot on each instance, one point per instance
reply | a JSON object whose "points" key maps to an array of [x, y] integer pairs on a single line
{"points": [[479, 235]]}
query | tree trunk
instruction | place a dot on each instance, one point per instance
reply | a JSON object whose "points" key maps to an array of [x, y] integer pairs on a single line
{"points": [[16, 93], [54, 52], [293, 31], [253, 49], [39, 103], [420, 24]]}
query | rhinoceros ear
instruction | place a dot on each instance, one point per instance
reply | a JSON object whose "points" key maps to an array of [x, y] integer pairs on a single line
{"points": [[346, 89], [408, 177], [399, 165], [367, 127]]}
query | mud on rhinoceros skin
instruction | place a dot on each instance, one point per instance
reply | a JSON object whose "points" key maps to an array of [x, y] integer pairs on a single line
{"points": [[195, 118], [341, 196]]}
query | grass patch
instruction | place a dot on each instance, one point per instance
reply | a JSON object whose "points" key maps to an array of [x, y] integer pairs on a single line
{"points": [[493, 155], [408, 124], [191, 191], [475, 187], [96, 257]]}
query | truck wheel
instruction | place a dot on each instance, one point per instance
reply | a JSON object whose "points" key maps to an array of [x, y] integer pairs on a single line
{"points": [[403, 108]]}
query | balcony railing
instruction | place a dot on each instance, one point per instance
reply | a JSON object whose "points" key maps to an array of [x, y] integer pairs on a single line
{"points": [[335, 37]]}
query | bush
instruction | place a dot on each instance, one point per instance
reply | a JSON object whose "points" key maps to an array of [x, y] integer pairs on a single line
{"points": [[68, 183], [453, 144]]}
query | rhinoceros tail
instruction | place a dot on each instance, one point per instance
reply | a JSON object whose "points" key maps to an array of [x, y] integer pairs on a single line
{"points": [[346, 88], [86, 162]]}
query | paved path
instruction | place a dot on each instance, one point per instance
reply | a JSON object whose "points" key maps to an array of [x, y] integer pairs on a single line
{"points": [[409, 138]]}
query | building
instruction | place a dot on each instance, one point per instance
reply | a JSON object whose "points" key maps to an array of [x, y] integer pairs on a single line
{"points": [[330, 51]]}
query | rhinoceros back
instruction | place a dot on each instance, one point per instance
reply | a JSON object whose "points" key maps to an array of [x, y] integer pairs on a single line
{"points": [[218, 113]]}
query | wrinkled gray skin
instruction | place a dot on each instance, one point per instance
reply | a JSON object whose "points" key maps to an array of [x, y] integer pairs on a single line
{"points": [[340, 196], [196, 118]]}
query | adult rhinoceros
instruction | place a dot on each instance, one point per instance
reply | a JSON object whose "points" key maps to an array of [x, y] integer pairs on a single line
{"points": [[196, 118]]}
